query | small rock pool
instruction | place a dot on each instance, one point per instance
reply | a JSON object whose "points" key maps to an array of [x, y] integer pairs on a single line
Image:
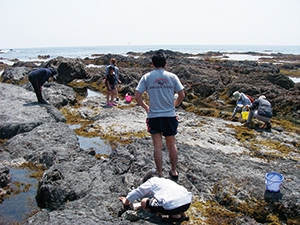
{"points": [[21, 202]]}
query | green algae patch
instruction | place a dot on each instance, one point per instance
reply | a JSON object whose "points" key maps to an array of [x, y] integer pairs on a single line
{"points": [[275, 150], [291, 126], [73, 117], [20, 187], [95, 86], [211, 112], [123, 138], [242, 133], [291, 73], [2, 141], [37, 169], [210, 212]]}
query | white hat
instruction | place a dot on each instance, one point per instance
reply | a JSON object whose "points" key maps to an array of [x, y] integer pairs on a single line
{"points": [[236, 95], [262, 97]]}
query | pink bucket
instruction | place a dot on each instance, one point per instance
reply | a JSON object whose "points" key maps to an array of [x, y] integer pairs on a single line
{"points": [[128, 97]]}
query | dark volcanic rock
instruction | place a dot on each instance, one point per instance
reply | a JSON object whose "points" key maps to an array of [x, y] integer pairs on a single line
{"points": [[221, 162], [14, 75], [21, 113], [46, 144], [5, 178], [68, 69]]}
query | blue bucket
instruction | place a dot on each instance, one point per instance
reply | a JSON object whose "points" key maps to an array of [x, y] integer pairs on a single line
{"points": [[273, 181]]}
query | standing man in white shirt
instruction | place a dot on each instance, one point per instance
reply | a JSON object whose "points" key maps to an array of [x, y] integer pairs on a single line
{"points": [[161, 116]]}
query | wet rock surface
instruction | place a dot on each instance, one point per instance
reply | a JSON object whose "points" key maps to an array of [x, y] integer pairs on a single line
{"points": [[223, 163]]}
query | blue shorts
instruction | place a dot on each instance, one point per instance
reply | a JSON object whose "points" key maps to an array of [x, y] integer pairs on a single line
{"points": [[165, 125]]}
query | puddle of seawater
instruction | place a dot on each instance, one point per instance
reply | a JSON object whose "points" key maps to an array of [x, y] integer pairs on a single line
{"points": [[18, 207], [97, 143], [91, 93], [243, 57], [295, 79], [100, 146]]}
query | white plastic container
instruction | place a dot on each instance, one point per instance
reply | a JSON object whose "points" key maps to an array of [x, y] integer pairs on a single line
{"points": [[273, 181]]}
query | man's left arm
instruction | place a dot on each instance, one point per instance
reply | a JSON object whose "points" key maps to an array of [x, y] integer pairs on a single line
{"points": [[181, 96]]}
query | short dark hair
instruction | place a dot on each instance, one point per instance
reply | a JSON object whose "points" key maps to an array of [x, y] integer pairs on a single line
{"points": [[159, 59], [149, 175], [111, 68]]}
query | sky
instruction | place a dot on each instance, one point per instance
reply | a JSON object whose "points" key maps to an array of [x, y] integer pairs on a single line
{"points": [[64, 23]]}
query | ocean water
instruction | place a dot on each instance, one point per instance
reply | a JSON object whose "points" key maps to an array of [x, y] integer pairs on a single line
{"points": [[82, 52]]}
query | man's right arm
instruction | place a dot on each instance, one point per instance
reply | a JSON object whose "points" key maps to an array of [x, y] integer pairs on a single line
{"points": [[140, 101]]}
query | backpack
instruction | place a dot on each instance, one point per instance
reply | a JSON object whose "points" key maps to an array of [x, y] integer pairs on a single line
{"points": [[250, 98]]}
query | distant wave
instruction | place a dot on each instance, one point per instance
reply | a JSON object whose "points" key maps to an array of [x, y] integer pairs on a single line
{"points": [[87, 51]]}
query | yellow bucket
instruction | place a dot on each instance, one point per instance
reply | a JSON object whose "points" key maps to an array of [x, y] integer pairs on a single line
{"points": [[245, 115]]}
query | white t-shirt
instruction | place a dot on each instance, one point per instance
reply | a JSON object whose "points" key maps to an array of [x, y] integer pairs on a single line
{"points": [[160, 86], [168, 193]]}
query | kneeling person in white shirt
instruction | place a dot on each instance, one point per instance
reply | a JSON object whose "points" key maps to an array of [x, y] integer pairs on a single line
{"points": [[164, 197]]}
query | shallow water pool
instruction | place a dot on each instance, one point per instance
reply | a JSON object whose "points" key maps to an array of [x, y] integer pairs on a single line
{"points": [[21, 203], [100, 146]]}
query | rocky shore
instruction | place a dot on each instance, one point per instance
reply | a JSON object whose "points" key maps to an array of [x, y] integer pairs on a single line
{"points": [[221, 162]]}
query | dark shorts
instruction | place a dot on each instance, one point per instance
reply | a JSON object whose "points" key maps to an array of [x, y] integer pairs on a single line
{"points": [[154, 207], [112, 86], [165, 125]]}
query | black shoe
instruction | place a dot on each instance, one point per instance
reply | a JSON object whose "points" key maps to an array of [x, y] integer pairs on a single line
{"points": [[172, 220], [173, 177], [269, 126]]}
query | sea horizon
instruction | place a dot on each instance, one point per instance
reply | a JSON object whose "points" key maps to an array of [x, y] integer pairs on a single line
{"points": [[88, 51]]}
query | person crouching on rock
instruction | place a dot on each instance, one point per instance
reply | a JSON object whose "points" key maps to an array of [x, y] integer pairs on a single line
{"points": [[261, 109], [164, 197], [38, 77], [241, 101]]}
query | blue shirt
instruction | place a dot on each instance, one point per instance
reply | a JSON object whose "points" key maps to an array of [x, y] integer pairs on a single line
{"points": [[242, 101], [41, 75]]}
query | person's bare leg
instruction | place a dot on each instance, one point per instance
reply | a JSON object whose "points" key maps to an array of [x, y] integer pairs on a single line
{"points": [[107, 96], [143, 203], [117, 92], [111, 95], [173, 153], [157, 144]]}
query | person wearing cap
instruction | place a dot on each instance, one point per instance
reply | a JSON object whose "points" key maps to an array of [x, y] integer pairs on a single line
{"points": [[38, 77], [113, 62], [261, 109], [161, 116], [241, 101], [161, 196]]}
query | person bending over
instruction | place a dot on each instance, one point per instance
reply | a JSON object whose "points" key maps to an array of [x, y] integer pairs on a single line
{"points": [[164, 197], [241, 101], [38, 77]]}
